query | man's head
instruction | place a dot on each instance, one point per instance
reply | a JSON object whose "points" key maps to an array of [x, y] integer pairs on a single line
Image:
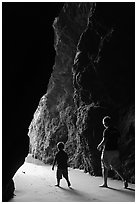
{"points": [[60, 145], [107, 121]]}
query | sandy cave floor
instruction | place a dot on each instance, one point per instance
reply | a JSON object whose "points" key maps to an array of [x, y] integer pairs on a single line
{"points": [[35, 182]]}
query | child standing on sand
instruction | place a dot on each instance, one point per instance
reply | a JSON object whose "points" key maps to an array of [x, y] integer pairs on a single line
{"points": [[62, 168]]}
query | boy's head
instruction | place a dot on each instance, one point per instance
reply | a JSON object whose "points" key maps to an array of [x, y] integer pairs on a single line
{"points": [[60, 145], [107, 121]]}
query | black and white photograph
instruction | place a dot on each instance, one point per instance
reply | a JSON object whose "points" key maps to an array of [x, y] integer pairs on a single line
{"points": [[68, 101]]}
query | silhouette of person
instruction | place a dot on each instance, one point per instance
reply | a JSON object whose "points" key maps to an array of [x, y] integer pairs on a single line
{"points": [[62, 167], [110, 152]]}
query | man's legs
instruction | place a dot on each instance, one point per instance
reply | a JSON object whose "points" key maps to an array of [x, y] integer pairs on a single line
{"points": [[117, 167], [104, 165], [119, 171], [105, 175]]}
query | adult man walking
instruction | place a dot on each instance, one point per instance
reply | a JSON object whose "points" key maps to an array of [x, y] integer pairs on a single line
{"points": [[110, 153]]}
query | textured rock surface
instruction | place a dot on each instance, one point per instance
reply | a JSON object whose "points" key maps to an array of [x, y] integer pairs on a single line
{"points": [[87, 82], [56, 118], [12, 161]]}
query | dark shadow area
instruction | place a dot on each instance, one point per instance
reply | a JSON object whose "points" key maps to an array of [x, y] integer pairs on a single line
{"points": [[130, 192], [75, 192], [131, 189], [27, 59], [70, 190]]}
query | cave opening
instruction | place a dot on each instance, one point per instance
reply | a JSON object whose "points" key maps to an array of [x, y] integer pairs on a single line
{"points": [[28, 59]]}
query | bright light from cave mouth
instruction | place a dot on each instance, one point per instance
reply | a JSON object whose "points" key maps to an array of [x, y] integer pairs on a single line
{"points": [[30, 166]]}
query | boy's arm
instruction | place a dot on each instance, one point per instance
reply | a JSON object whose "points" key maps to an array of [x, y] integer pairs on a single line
{"points": [[54, 162]]}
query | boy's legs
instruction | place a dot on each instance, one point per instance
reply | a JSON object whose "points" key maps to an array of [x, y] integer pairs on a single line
{"points": [[69, 184], [59, 176], [65, 175], [58, 182]]}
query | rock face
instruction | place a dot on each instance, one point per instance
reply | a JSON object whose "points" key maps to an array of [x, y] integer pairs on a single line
{"points": [[13, 158], [57, 117], [92, 77]]}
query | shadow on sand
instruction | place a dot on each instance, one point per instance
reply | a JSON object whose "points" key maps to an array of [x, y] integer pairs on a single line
{"points": [[71, 190], [129, 191], [79, 194]]}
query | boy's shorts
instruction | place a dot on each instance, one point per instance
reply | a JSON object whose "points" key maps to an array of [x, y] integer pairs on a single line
{"points": [[62, 172], [110, 159]]}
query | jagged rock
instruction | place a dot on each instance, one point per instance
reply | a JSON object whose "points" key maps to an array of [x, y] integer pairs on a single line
{"points": [[12, 161], [56, 117], [82, 89]]}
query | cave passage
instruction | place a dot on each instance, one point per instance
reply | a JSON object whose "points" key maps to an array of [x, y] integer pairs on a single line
{"points": [[28, 59]]}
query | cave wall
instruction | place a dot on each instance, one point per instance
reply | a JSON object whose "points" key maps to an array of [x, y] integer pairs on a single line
{"points": [[26, 32], [56, 116], [93, 76]]}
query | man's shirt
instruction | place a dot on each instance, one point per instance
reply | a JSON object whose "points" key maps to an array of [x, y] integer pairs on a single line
{"points": [[111, 136]]}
